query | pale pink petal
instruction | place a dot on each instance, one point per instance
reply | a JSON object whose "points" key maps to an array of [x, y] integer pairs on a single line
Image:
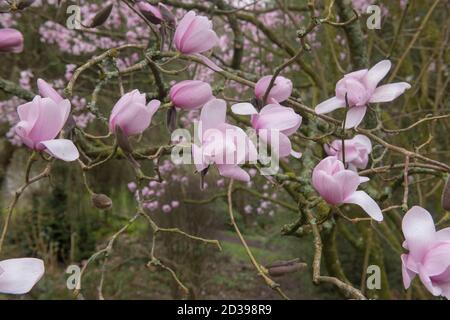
{"points": [[233, 171], [419, 231], [62, 149], [329, 105], [389, 92], [134, 120], [28, 112], [354, 116], [51, 119], [200, 42], [364, 141], [213, 114], [407, 274], [437, 261], [425, 278], [445, 288], [47, 91], [296, 154], [348, 182], [20, 275], [208, 62], [443, 234], [363, 179], [328, 188], [277, 117], [377, 73], [190, 94], [183, 25], [363, 200], [244, 108], [359, 74], [153, 106]]}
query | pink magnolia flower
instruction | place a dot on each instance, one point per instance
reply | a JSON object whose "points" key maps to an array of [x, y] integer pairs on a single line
{"points": [[429, 252], [361, 89], [11, 40], [132, 114], [18, 276], [42, 119], [190, 94], [336, 185], [194, 34], [222, 144], [280, 91], [273, 119], [357, 151]]}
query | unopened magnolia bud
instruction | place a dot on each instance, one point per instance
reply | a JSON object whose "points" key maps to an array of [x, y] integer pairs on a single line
{"points": [[281, 268], [446, 195], [171, 119], [150, 12], [202, 177], [166, 14], [101, 201], [125, 145], [122, 141], [101, 16]]}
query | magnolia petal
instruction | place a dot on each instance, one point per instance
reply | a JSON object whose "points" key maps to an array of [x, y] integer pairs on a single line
{"points": [[419, 231], [182, 27], [443, 234], [62, 149], [364, 141], [20, 275], [296, 154], [233, 171], [389, 92], [208, 62], [348, 181], [434, 290], [377, 73], [153, 106], [51, 119], [47, 91], [329, 105], [354, 116], [407, 274], [363, 200], [199, 42], [445, 287], [135, 119], [437, 261], [363, 179], [244, 109], [213, 114], [327, 187]]}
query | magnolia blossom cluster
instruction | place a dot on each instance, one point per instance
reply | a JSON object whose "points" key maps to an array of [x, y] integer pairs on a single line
{"points": [[226, 146]]}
